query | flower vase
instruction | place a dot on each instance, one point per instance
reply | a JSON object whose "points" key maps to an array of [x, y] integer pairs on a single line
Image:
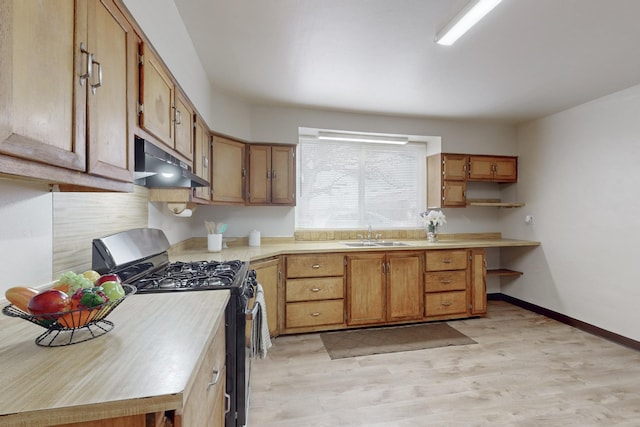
{"points": [[432, 234]]}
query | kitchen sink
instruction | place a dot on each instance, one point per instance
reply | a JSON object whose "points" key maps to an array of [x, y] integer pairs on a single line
{"points": [[359, 244], [392, 244], [364, 244]]}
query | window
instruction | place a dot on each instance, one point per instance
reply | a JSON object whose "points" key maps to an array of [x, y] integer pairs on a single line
{"points": [[351, 185]]}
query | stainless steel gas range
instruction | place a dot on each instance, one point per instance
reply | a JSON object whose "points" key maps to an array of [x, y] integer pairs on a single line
{"points": [[140, 257]]}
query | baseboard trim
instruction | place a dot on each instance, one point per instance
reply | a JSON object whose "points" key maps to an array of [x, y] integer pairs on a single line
{"points": [[587, 327]]}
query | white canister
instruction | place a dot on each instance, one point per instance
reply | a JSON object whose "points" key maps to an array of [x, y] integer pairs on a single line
{"points": [[254, 238], [214, 242]]}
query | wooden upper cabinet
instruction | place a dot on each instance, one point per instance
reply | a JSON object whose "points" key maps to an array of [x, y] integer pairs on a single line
{"points": [[111, 94], [202, 158], [156, 97], [283, 175], [493, 168], [446, 180], [66, 90], [259, 175], [454, 166], [40, 120], [183, 119], [272, 175], [165, 112], [228, 170]]}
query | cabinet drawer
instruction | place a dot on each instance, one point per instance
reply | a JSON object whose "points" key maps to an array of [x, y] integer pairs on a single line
{"points": [[315, 265], [315, 289], [445, 281], [441, 303], [446, 260], [316, 313]]}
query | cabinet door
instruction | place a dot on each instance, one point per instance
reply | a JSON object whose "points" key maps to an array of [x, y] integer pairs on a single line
{"points": [[183, 119], [454, 193], [227, 182], [156, 98], [404, 286], [40, 84], [203, 395], [283, 175], [259, 174], [202, 156], [481, 168], [111, 100], [454, 167], [478, 281], [366, 294], [506, 169], [493, 168], [268, 275]]}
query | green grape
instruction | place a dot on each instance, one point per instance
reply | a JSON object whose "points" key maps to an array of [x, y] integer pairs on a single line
{"points": [[75, 281]]}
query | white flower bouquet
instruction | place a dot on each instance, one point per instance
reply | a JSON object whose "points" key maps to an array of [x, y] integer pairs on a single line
{"points": [[433, 219]]}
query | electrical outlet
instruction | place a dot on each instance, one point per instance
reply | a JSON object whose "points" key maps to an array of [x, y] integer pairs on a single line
{"points": [[528, 219]]}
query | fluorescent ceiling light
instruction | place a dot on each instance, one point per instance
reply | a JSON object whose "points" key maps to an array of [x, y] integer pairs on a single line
{"points": [[473, 12], [362, 137]]}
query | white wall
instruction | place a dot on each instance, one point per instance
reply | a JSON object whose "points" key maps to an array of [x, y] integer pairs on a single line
{"points": [[163, 26], [579, 177], [26, 234]]}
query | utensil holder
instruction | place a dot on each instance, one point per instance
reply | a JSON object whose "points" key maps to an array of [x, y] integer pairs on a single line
{"points": [[214, 242]]}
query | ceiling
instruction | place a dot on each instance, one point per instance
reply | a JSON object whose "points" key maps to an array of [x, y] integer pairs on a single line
{"points": [[526, 59]]}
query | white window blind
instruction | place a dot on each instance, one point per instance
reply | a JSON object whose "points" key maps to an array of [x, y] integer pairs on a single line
{"points": [[351, 185]]}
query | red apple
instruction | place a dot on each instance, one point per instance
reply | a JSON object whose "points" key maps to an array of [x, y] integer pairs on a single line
{"points": [[49, 301], [107, 278]]}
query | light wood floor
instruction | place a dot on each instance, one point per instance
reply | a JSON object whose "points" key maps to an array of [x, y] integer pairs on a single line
{"points": [[526, 370]]}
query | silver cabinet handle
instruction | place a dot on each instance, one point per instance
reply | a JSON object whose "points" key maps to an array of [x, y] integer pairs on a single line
{"points": [[446, 261], [87, 75], [178, 117], [445, 281], [315, 289], [315, 314], [446, 303], [94, 87], [215, 379], [315, 266]]}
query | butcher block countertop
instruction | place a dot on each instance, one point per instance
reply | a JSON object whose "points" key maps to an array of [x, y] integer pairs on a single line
{"points": [[196, 249], [143, 365]]}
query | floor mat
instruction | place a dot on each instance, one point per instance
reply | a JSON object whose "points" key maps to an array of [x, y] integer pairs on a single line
{"points": [[363, 342]]}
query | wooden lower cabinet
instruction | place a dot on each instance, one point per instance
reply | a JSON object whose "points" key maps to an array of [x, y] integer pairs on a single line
{"points": [[366, 289], [314, 296], [478, 287], [379, 288], [455, 283], [204, 400], [384, 287], [268, 273], [315, 313]]}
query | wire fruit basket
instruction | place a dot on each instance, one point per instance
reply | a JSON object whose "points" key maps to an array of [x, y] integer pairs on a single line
{"points": [[74, 326]]}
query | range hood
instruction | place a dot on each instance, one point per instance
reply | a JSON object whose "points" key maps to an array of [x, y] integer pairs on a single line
{"points": [[155, 168]]}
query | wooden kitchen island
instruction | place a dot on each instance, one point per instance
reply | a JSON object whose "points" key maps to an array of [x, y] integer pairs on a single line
{"points": [[154, 360]]}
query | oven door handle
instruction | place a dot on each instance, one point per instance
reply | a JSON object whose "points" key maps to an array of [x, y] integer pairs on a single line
{"points": [[252, 314]]}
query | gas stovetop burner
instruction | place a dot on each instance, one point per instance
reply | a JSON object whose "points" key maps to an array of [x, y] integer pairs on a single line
{"points": [[198, 275]]}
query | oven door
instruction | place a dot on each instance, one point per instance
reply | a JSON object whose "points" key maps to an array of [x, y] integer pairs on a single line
{"points": [[253, 316]]}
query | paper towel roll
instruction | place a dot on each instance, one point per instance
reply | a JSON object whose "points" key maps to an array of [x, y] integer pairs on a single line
{"points": [[185, 213], [254, 238]]}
